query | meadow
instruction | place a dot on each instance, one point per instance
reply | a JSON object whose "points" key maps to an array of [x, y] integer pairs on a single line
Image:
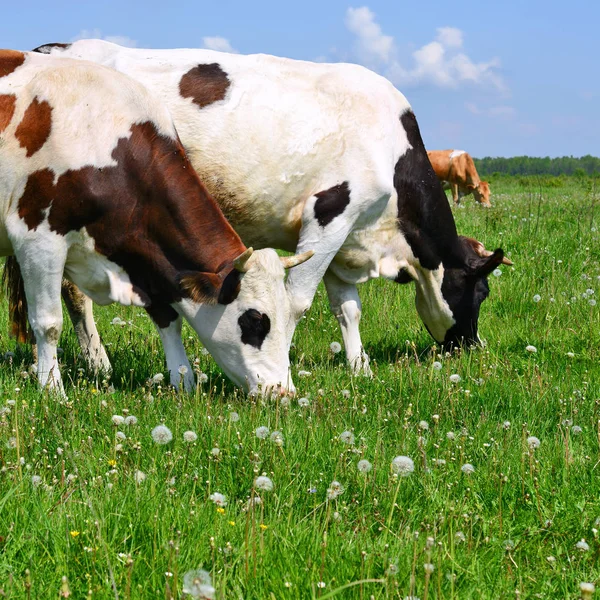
{"points": [[269, 497]]}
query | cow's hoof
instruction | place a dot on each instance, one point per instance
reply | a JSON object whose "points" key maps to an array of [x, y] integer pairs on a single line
{"points": [[360, 366]]}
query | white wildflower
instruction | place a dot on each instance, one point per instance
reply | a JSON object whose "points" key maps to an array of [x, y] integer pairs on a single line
{"points": [[118, 420], [304, 373], [218, 499], [347, 437], [533, 442], [467, 468], [576, 430], [531, 349], [334, 490], [130, 420], [190, 436], [161, 434], [335, 347], [215, 452], [403, 466], [234, 417], [303, 402], [455, 378], [423, 425], [263, 483], [428, 568], [120, 435], [139, 476], [582, 545], [182, 370], [506, 425], [262, 432], [364, 466], [496, 272], [437, 365], [157, 378], [277, 438], [537, 298], [36, 480]]}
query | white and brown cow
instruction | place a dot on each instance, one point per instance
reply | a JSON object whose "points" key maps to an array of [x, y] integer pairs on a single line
{"points": [[95, 185], [327, 157], [456, 170]]}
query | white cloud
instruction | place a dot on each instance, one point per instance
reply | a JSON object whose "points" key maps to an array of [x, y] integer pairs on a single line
{"points": [[441, 62], [218, 43], [96, 34]]}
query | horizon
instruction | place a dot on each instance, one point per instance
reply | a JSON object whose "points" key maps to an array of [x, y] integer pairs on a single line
{"points": [[473, 73]]}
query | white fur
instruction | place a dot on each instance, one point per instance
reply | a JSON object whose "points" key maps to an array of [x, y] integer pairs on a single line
{"points": [[286, 130], [456, 153]]}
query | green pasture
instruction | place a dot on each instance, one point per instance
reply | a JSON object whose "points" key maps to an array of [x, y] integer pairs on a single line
{"points": [[94, 509]]}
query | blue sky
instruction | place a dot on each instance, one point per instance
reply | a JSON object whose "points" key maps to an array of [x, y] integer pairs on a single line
{"points": [[494, 78]]}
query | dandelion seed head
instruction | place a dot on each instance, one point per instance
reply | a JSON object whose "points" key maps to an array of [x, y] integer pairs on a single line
{"points": [[576, 430], [467, 468], [119, 435], [202, 377], [335, 347], [451, 435], [190, 436], [264, 483], [582, 545], [131, 420], [496, 272], [428, 568], [139, 476], [531, 349], [215, 452], [277, 438], [587, 589], [262, 432], [182, 370], [157, 378], [364, 466], [403, 466], [455, 378], [36, 480], [234, 417], [198, 584], [161, 434], [537, 298], [347, 437], [218, 499], [118, 420], [506, 425], [346, 394], [423, 425], [334, 490], [303, 402], [533, 442], [437, 365], [302, 373]]}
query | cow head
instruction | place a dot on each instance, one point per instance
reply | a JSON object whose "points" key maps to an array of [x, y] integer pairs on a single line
{"points": [[463, 288], [482, 194], [245, 328]]}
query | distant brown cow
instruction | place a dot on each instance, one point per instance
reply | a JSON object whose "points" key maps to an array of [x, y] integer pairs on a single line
{"points": [[456, 170]]}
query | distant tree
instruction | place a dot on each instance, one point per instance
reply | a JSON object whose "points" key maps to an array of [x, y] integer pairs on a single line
{"points": [[530, 165]]}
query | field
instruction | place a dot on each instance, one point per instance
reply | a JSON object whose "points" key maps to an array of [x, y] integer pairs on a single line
{"points": [[94, 508]]}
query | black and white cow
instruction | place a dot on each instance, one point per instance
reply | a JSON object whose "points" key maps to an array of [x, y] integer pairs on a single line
{"points": [[327, 157], [96, 186]]}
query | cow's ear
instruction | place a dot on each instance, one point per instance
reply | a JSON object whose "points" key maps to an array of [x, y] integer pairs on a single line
{"points": [[211, 288], [202, 288], [486, 265]]}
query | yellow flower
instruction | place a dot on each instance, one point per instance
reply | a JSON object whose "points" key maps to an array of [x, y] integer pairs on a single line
{"points": [[220, 510], [74, 533], [232, 523], [263, 526], [112, 462]]}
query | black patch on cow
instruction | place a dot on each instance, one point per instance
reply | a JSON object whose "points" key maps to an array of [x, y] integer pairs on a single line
{"points": [[424, 216], [331, 203], [255, 327], [162, 314], [403, 277], [47, 48]]}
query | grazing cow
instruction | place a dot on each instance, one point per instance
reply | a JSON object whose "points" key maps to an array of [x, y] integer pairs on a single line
{"points": [[456, 170], [95, 185], [329, 157]]}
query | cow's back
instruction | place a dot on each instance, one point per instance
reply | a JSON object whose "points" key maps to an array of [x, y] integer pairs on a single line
{"points": [[266, 133]]}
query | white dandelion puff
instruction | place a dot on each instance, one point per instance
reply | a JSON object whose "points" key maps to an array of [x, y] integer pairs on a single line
{"points": [[364, 466], [264, 483], [303, 402], [423, 425], [582, 545], [234, 417], [403, 466], [334, 490], [451, 435], [437, 365], [118, 420], [182, 370], [347, 437], [277, 438], [139, 476], [533, 442], [576, 430], [131, 420], [335, 347], [120, 435], [587, 590], [496, 272], [506, 425], [455, 378], [215, 452], [218, 499], [467, 468], [262, 432], [161, 434], [190, 436], [198, 584], [429, 568], [157, 378], [36, 480], [531, 349], [202, 377], [537, 298]]}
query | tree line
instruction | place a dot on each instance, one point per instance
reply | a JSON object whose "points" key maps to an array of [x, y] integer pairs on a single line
{"points": [[531, 165]]}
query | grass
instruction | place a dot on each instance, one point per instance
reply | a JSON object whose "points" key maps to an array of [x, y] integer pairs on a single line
{"points": [[88, 529]]}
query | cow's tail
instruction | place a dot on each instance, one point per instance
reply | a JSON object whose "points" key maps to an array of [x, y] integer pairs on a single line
{"points": [[12, 282]]}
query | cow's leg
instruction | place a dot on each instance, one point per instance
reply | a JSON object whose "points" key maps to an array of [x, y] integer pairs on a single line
{"points": [[346, 306], [178, 363], [80, 309], [42, 272], [327, 220], [455, 194]]}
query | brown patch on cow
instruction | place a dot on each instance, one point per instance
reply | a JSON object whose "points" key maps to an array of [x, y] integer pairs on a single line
{"points": [[7, 110], [150, 214], [204, 84], [34, 129], [10, 60]]}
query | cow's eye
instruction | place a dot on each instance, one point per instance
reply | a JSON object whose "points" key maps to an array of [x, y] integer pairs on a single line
{"points": [[255, 327]]}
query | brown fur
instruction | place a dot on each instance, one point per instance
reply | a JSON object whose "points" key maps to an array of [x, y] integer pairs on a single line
{"points": [[460, 173], [10, 60], [7, 110], [205, 84], [35, 128], [17, 302], [149, 213]]}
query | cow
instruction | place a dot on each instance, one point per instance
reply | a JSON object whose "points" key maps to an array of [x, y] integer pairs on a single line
{"points": [[326, 157], [456, 170], [96, 186]]}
